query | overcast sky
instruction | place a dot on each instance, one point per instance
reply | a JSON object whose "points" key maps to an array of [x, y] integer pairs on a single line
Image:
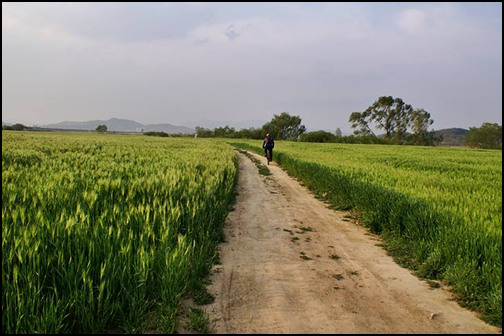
{"points": [[212, 64]]}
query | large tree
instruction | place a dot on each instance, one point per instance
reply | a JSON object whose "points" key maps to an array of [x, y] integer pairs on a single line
{"points": [[489, 135], [101, 128], [284, 127], [394, 116]]}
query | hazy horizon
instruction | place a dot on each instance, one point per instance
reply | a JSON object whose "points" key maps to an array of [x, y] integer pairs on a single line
{"points": [[198, 64]]}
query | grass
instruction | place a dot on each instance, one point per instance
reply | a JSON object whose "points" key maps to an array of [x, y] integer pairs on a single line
{"points": [[290, 231], [304, 256], [263, 170], [304, 229], [201, 296], [199, 321], [338, 276], [334, 256]]}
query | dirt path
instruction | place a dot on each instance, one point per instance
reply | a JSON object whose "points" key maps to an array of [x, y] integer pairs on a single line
{"points": [[277, 276]]}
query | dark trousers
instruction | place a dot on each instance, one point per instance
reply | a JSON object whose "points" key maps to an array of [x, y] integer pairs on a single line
{"points": [[266, 152]]}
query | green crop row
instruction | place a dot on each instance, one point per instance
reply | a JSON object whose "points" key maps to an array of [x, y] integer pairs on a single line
{"points": [[97, 230], [441, 208]]}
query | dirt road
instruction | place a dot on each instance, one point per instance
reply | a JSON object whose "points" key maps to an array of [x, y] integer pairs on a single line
{"points": [[291, 265]]}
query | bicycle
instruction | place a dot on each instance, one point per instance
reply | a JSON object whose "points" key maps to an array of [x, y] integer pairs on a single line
{"points": [[268, 155]]}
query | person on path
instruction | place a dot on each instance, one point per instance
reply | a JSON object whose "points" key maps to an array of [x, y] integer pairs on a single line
{"points": [[268, 144]]}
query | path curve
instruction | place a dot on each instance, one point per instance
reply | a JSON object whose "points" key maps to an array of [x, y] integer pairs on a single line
{"points": [[291, 265]]}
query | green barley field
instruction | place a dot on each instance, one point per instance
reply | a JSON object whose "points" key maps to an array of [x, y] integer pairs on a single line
{"points": [[439, 208], [99, 229]]}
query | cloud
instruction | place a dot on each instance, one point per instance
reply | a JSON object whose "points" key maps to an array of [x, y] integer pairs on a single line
{"points": [[202, 40], [231, 32], [411, 20], [175, 63], [111, 22]]}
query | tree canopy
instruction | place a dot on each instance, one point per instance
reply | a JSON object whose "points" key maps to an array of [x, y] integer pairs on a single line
{"points": [[284, 127], [16, 127], [489, 135], [394, 116], [101, 128], [318, 136]]}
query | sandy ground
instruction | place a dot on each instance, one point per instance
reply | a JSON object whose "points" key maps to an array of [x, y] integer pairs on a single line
{"points": [[291, 265]]}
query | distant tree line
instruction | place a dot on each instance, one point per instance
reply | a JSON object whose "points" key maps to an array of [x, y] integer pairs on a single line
{"points": [[229, 132], [159, 134], [16, 127], [324, 136], [281, 127], [166, 135], [401, 122]]}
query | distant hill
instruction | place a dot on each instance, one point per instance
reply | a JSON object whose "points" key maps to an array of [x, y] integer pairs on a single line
{"points": [[167, 128], [119, 125], [452, 136]]}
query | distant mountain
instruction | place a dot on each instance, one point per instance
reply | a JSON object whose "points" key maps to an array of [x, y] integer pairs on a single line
{"points": [[452, 136], [119, 125], [167, 128]]}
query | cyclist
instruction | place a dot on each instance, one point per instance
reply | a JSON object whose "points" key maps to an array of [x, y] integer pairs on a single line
{"points": [[268, 144]]}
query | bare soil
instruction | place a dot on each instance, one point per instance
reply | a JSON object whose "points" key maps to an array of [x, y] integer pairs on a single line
{"points": [[292, 265]]}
